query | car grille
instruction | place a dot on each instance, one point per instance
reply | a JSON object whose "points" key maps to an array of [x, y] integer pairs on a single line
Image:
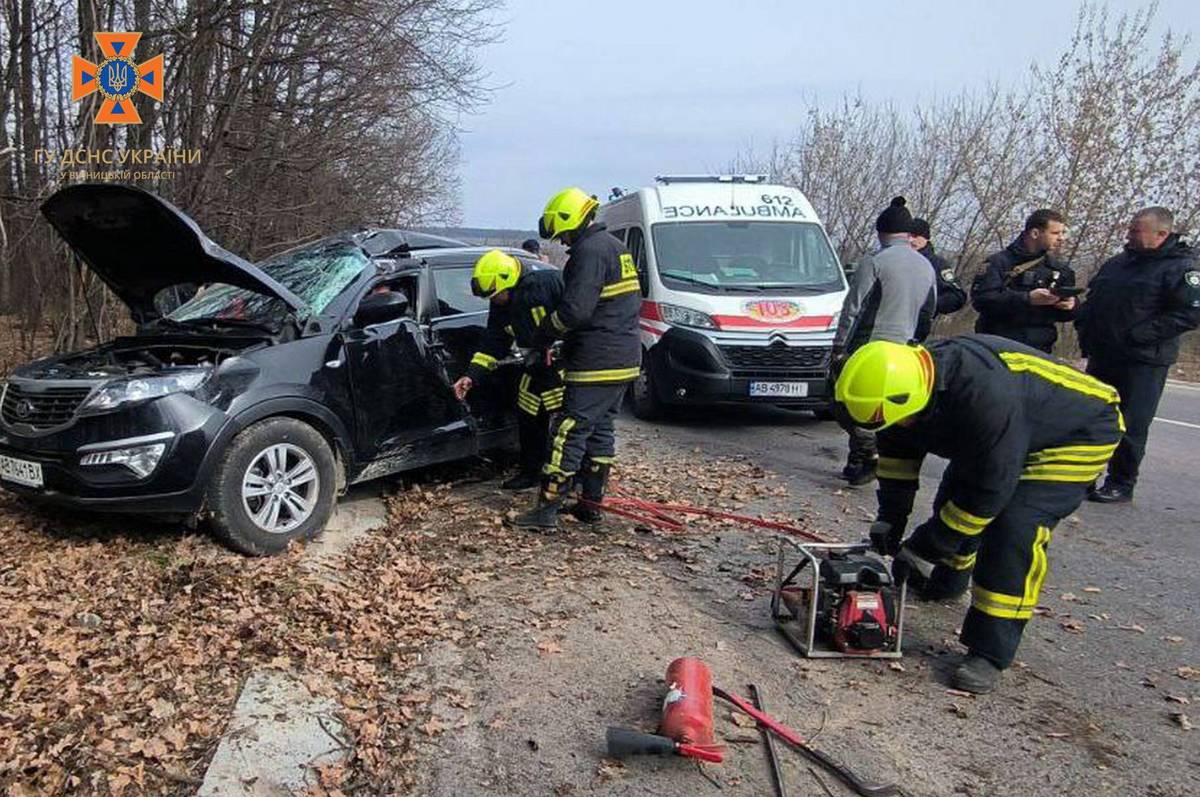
{"points": [[758, 358], [44, 408]]}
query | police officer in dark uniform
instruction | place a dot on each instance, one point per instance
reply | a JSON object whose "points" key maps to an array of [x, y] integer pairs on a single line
{"points": [[520, 299], [1138, 305], [1025, 434], [1015, 293], [950, 295], [597, 320]]}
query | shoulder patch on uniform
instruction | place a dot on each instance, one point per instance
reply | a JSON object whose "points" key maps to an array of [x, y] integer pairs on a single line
{"points": [[1192, 278], [948, 274]]}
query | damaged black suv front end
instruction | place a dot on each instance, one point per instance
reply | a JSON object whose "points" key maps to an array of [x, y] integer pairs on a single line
{"points": [[125, 425]]}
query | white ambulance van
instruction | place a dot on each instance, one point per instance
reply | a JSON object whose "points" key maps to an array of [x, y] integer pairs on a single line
{"points": [[741, 292]]}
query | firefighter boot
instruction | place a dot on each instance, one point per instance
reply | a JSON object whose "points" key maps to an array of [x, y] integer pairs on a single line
{"points": [[977, 675], [544, 515], [591, 480]]}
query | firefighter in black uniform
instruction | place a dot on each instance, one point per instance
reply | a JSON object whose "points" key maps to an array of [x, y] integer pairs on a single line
{"points": [[597, 320], [950, 295], [1015, 293], [1025, 434], [1138, 305], [520, 299]]}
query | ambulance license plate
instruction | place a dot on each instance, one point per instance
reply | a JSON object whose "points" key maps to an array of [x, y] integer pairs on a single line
{"points": [[21, 471], [779, 389]]}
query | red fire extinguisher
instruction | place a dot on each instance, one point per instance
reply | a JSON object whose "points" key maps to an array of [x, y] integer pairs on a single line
{"points": [[687, 714]]}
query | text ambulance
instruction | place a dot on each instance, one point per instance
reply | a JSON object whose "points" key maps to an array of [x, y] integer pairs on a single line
{"points": [[741, 292]]}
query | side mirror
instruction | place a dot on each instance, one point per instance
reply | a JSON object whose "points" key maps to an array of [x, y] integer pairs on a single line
{"points": [[379, 308]]}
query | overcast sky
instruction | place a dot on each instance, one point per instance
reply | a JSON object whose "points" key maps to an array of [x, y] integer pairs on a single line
{"points": [[613, 93]]}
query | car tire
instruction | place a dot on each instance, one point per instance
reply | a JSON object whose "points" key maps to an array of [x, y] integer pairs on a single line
{"points": [[262, 497], [643, 395]]}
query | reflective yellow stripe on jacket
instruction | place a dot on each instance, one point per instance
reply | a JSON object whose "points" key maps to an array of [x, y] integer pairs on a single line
{"points": [[602, 376], [961, 520], [1061, 375], [1077, 463], [484, 361], [620, 288]]}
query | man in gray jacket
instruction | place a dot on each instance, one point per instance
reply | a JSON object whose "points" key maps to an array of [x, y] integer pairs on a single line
{"points": [[892, 297]]}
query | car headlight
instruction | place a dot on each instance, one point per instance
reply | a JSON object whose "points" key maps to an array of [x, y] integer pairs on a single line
{"points": [[142, 388], [686, 317]]}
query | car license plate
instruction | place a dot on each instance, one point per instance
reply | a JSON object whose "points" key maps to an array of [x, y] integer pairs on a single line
{"points": [[21, 471], [779, 389]]}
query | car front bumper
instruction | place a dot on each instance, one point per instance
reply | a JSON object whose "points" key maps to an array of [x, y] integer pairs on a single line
{"points": [[184, 426], [688, 368]]}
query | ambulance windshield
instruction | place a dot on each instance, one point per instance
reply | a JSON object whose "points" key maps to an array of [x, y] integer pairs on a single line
{"points": [[745, 256]]}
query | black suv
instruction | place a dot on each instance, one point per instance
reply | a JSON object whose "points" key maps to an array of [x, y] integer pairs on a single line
{"points": [[257, 400]]}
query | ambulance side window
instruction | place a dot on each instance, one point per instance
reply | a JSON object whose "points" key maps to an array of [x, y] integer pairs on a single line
{"points": [[635, 242]]}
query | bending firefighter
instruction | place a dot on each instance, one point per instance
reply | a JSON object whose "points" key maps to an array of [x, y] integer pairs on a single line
{"points": [[601, 353], [1025, 435], [519, 300]]}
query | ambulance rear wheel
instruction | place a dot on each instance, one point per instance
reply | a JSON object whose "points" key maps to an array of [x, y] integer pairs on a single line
{"points": [[643, 397]]}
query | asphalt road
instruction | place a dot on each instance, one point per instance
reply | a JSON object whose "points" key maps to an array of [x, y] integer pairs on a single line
{"points": [[1128, 575]]}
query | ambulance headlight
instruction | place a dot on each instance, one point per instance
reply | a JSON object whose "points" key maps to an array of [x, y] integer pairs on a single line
{"points": [[686, 317]]}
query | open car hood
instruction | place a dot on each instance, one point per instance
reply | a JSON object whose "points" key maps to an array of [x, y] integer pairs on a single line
{"points": [[139, 244]]}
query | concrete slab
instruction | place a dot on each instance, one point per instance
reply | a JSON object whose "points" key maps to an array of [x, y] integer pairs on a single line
{"points": [[359, 511], [279, 733]]}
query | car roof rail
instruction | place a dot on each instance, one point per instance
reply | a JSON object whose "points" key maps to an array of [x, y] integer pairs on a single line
{"points": [[399, 243]]}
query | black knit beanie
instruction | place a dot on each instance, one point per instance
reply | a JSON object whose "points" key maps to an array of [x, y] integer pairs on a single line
{"points": [[895, 218]]}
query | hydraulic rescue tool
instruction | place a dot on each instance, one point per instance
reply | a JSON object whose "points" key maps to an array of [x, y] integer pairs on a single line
{"points": [[857, 784], [839, 600]]}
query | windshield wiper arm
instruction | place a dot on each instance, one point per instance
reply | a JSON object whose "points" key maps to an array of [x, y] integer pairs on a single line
{"points": [[229, 322]]}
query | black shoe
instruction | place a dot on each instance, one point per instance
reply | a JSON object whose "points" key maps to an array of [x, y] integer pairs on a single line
{"points": [[543, 517], [1112, 494], [976, 675], [523, 480], [859, 473], [585, 513]]}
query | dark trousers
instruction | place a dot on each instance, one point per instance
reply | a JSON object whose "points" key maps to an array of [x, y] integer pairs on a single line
{"points": [[533, 435], [584, 429], [539, 395], [862, 448], [1010, 563], [1141, 387]]}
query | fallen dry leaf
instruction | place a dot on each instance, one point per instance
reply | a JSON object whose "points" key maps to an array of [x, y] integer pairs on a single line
{"points": [[742, 721], [549, 647], [1072, 626], [1182, 720]]}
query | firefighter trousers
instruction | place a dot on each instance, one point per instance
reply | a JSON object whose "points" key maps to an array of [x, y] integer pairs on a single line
{"points": [[540, 394], [1009, 560], [584, 429]]}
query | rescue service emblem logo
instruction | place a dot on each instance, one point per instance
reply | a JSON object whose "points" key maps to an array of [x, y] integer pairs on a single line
{"points": [[774, 310], [1193, 278], [118, 78], [948, 274]]}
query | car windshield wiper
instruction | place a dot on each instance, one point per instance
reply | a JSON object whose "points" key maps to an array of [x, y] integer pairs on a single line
{"points": [[165, 321], [227, 322]]}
